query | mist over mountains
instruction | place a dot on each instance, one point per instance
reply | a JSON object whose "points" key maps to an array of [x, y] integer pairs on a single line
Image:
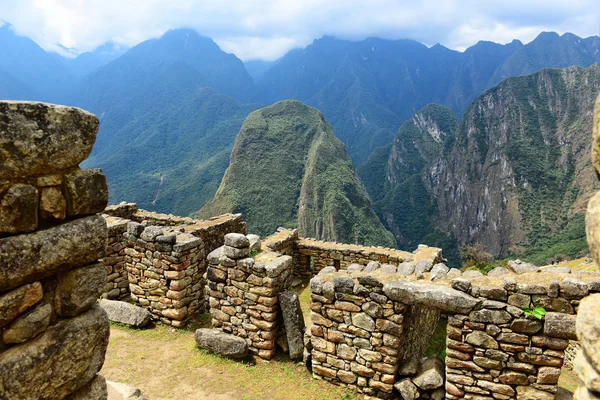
{"points": [[170, 109]]}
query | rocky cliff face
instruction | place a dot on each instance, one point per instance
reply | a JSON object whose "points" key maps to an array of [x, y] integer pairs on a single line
{"points": [[287, 168], [515, 175]]}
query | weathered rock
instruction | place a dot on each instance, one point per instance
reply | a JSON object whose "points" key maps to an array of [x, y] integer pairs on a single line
{"points": [[236, 240], [356, 268], [588, 329], [17, 301], [472, 274], [41, 138], [18, 208], [221, 343], [406, 268], [52, 203], [481, 339], [33, 256], [572, 288], [520, 267], [388, 269], [78, 289], [29, 325], [592, 220], [423, 266], [254, 241], [126, 313], [531, 393], [150, 233], [490, 316], [560, 326], [372, 266], [363, 321], [407, 389], [294, 323], [462, 284], [235, 253], [121, 391], [523, 325], [439, 271], [432, 296], [94, 390], [596, 137], [430, 375], [558, 270], [87, 191], [60, 361]]}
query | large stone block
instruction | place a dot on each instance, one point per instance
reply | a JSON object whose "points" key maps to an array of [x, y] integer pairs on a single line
{"points": [[560, 326], [126, 313], [40, 138], [78, 289], [87, 191], [440, 298], [33, 256], [19, 300], [221, 343], [18, 209], [96, 389], [29, 325], [588, 328], [57, 363], [294, 323]]}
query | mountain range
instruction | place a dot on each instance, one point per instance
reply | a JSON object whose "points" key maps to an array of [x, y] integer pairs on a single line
{"points": [[171, 107]]}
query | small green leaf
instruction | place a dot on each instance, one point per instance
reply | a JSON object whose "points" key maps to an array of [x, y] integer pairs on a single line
{"points": [[540, 310]]}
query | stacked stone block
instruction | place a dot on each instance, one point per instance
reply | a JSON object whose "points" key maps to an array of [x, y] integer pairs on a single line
{"points": [[165, 272], [587, 362], [357, 332], [53, 336], [117, 282], [243, 293]]}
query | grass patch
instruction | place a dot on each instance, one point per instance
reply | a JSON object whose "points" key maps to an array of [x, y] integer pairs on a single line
{"points": [[438, 341]]}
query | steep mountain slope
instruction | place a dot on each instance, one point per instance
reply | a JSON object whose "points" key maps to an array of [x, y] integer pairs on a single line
{"points": [[368, 88], [87, 62], [516, 176], [173, 160], [287, 168]]}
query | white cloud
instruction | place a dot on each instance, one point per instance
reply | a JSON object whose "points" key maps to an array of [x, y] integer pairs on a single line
{"points": [[268, 28]]}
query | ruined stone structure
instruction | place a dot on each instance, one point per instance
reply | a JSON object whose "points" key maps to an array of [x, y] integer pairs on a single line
{"points": [[159, 261], [587, 362], [53, 335]]}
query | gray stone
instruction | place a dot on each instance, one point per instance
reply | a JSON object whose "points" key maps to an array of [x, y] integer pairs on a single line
{"points": [[372, 266], [235, 253], [18, 208], [28, 325], [531, 393], [236, 240], [523, 325], [454, 273], [86, 192], [214, 256], [406, 268], [498, 271], [440, 298], [94, 390], [221, 343], [126, 313], [294, 323], [363, 321], [481, 339], [19, 300], [572, 288], [430, 375], [587, 372], [78, 289], [122, 391], [407, 389], [33, 256], [52, 203], [462, 284], [168, 239], [327, 270], [388, 269], [355, 268], [135, 228], [423, 266], [343, 284], [41, 138], [560, 326], [490, 316], [58, 362], [519, 267], [472, 274], [150, 233], [557, 270], [439, 271], [254, 241]]}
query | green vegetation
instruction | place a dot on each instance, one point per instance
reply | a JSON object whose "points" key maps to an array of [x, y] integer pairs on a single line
{"points": [[288, 169], [438, 341], [537, 312]]}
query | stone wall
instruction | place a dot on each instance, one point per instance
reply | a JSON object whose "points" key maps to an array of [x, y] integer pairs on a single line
{"points": [[587, 363], [243, 292], [493, 349], [53, 335], [164, 259]]}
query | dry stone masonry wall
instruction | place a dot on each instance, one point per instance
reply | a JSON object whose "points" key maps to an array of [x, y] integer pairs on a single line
{"points": [[587, 362], [53, 335], [159, 260]]}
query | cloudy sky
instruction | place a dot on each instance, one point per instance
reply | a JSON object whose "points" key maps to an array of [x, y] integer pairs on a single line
{"points": [[266, 29]]}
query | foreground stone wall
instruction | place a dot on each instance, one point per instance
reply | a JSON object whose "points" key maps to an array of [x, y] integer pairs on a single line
{"points": [[159, 260], [243, 293], [587, 363], [53, 335]]}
